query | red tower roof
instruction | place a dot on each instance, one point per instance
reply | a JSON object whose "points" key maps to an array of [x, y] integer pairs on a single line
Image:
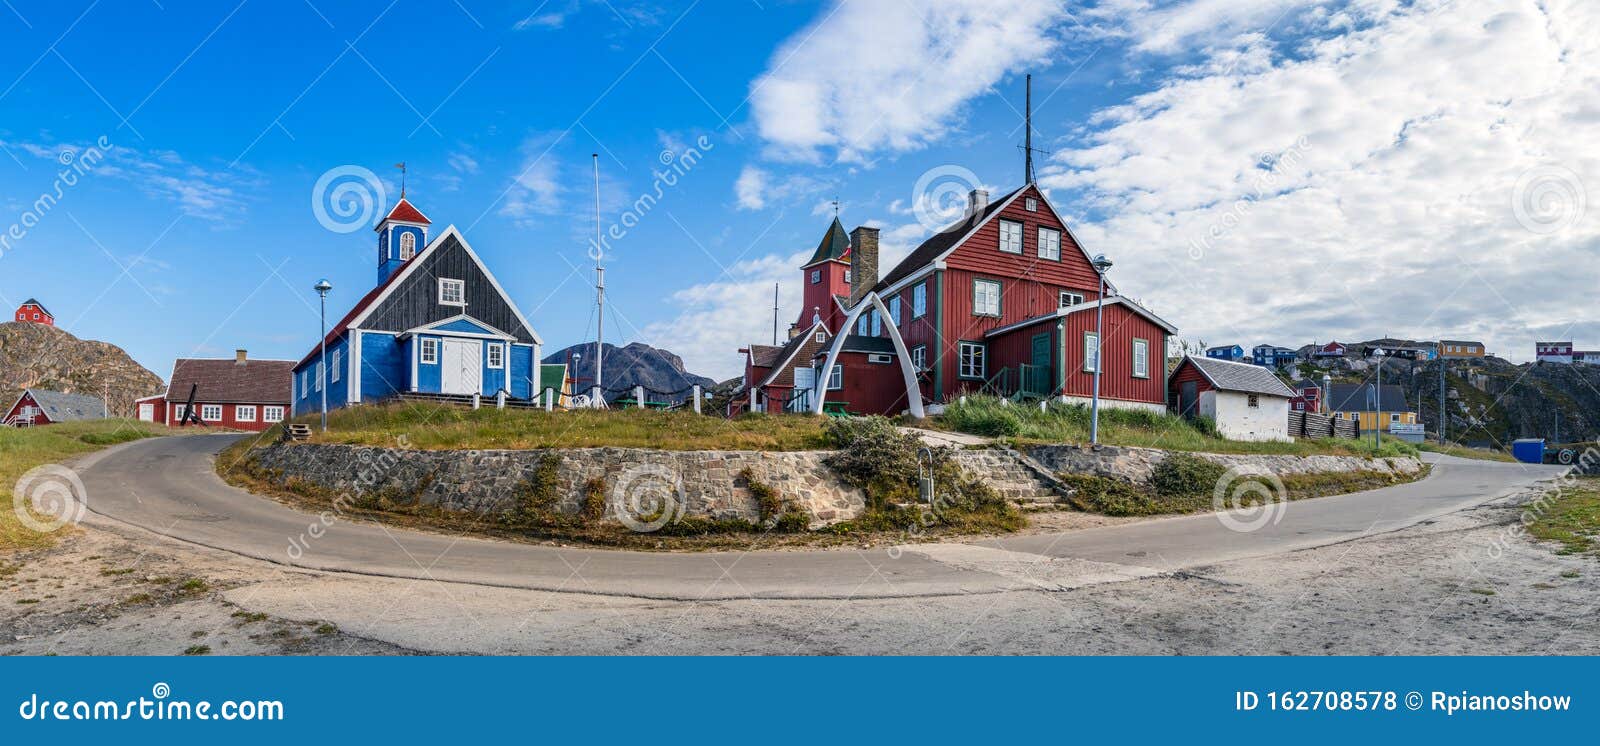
{"points": [[405, 212]]}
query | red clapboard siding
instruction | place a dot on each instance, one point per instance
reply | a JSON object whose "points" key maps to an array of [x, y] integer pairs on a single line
{"points": [[981, 252], [870, 388], [1121, 327], [26, 400]]}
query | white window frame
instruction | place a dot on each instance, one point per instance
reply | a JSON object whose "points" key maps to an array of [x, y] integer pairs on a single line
{"points": [[1076, 299], [980, 304], [1053, 242], [1006, 227], [322, 372], [864, 323], [305, 383], [894, 309], [919, 300], [822, 336], [408, 245], [244, 412], [966, 353], [211, 412], [816, 276], [1091, 351], [919, 357], [428, 351], [1030, 204], [336, 366], [1141, 358], [495, 356], [847, 277], [836, 378], [460, 286], [272, 414]]}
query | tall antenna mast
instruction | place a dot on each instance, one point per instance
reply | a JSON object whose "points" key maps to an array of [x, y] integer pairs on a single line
{"points": [[599, 291], [775, 313], [1027, 126]]}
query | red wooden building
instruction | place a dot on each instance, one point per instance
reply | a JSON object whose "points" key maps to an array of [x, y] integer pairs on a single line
{"points": [[237, 393], [39, 407], [1001, 302], [33, 312]]}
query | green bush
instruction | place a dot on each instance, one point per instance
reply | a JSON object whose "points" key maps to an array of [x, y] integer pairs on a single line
{"points": [[876, 457], [594, 500], [1182, 474], [991, 421], [536, 498], [114, 437]]}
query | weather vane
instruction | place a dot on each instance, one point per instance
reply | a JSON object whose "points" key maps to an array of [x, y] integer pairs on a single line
{"points": [[402, 166]]}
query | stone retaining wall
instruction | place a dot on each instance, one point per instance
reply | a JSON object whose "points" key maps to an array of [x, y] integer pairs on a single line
{"points": [[1137, 464]]}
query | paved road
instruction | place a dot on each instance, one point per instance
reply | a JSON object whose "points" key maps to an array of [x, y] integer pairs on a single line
{"points": [[167, 485]]}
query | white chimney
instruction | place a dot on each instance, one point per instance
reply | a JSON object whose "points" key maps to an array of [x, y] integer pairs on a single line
{"points": [[977, 200]]}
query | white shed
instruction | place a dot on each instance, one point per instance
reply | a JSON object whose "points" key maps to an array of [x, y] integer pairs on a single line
{"points": [[1248, 402]]}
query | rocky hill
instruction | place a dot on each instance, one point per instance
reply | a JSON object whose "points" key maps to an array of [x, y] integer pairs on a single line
{"points": [[1488, 401], [636, 364], [45, 357]]}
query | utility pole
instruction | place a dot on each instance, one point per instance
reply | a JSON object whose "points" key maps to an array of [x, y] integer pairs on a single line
{"points": [[599, 292], [774, 313], [1442, 422]]}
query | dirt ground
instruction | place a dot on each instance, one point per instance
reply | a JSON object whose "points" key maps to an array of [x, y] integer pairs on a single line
{"points": [[1468, 583]]}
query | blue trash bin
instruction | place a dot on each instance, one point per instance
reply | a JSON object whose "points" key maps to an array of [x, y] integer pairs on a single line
{"points": [[1528, 450]]}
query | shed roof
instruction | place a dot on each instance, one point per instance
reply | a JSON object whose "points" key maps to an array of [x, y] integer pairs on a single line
{"points": [[1249, 378], [62, 407]]}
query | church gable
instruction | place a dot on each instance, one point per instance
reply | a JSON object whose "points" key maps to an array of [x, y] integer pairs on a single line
{"points": [[444, 282]]}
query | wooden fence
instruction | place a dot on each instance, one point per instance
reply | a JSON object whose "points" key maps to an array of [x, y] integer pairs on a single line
{"points": [[1307, 425]]}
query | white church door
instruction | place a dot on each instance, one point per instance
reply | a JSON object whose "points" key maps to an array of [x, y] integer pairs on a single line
{"points": [[461, 369]]}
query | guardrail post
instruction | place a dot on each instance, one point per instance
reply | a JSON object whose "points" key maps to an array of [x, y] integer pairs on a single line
{"points": [[697, 398], [549, 400], [476, 401], [500, 399]]}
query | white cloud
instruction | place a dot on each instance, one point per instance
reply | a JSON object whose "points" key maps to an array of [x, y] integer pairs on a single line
{"points": [[536, 187], [1365, 186], [871, 76], [757, 188], [463, 163], [751, 188], [716, 318], [209, 194]]}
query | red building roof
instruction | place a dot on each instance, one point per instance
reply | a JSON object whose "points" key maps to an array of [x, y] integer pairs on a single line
{"points": [[405, 212], [231, 380]]}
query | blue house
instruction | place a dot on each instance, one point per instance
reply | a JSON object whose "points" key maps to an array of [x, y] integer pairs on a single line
{"points": [[1231, 353], [436, 322], [1272, 356]]}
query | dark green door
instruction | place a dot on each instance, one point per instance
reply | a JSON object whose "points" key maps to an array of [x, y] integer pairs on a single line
{"points": [[1037, 380]]}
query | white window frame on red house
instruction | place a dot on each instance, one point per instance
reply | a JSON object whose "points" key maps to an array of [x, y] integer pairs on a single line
{"points": [[272, 413], [211, 412], [1141, 358], [972, 360], [980, 303], [1006, 238], [919, 300], [244, 412], [1091, 351], [1069, 298], [1049, 243]]}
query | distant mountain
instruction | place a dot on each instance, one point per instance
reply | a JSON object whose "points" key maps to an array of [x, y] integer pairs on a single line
{"points": [[47, 357], [636, 364]]}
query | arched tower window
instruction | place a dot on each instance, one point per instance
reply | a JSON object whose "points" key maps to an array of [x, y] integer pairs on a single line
{"points": [[408, 245]]}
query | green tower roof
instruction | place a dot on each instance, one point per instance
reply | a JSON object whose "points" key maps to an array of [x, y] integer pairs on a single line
{"points": [[835, 245]]}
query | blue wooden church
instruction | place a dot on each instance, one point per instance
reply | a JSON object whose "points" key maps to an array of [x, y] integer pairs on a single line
{"points": [[436, 322]]}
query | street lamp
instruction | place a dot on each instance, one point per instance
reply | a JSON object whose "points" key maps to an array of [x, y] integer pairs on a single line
{"points": [[322, 288], [1377, 426], [1101, 266]]}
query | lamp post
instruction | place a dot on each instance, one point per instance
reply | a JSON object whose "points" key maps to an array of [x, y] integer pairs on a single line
{"points": [[322, 287], [1377, 397], [1101, 266]]}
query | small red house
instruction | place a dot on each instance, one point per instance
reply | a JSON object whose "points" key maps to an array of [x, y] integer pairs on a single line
{"points": [[1308, 398], [1331, 349], [771, 372], [33, 312], [39, 407], [237, 393]]}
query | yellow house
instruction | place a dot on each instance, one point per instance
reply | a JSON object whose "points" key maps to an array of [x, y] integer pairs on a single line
{"points": [[1459, 348], [1354, 401]]}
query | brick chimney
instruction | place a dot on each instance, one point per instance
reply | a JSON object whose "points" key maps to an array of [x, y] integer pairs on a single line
{"points": [[863, 262], [238, 357]]}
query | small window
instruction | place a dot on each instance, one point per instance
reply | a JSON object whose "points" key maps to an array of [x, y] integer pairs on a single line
{"points": [[1050, 244], [1394, 418], [336, 365], [408, 245], [877, 324], [816, 276], [822, 336], [1254, 401], [986, 297], [973, 360], [430, 351], [497, 356], [919, 300], [1141, 358], [894, 309], [452, 292], [244, 413], [1010, 237], [919, 357], [1031, 204], [36, 317], [272, 414], [878, 358], [1070, 298], [836, 378], [847, 277], [1091, 352], [322, 374], [211, 412], [864, 324], [305, 388]]}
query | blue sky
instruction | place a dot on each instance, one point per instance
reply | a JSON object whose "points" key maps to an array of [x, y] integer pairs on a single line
{"points": [[1262, 171]]}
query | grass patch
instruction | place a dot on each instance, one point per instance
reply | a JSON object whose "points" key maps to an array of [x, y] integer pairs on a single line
{"points": [[440, 428], [246, 617], [1187, 484], [22, 449], [1571, 518], [1483, 591], [27, 600], [1569, 574], [197, 650], [1070, 423], [1461, 451], [326, 628]]}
